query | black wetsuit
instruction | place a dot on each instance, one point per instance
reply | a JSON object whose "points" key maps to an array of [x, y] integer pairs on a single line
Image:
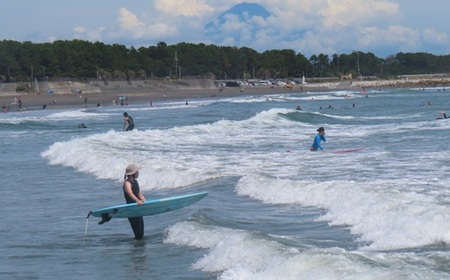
{"points": [[137, 223], [130, 124]]}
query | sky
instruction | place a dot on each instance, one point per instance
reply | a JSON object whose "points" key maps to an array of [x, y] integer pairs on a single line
{"points": [[309, 27]]}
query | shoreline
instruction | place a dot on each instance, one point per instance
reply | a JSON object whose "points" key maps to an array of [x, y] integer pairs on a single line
{"points": [[71, 100], [61, 101]]}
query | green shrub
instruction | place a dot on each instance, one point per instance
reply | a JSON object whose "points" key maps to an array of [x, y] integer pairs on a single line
{"points": [[21, 88]]}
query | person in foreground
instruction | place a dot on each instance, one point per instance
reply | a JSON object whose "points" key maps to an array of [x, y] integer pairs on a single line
{"points": [[133, 194], [127, 119], [319, 138]]}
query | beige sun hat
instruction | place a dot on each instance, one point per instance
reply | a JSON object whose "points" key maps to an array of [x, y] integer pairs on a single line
{"points": [[131, 169]]}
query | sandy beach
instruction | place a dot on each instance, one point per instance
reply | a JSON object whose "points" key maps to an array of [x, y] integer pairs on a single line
{"points": [[33, 101], [58, 101]]}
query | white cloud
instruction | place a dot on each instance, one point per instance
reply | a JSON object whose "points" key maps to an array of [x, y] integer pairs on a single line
{"points": [[130, 25], [405, 38], [129, 20], [311, 43], [294, 24], [187, 8], [401, 35], [432, 36], [309, 27], [92, 35], [348, 12], [80, 30], [228, 41]]}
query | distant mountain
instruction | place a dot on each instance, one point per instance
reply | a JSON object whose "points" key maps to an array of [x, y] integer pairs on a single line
{"points": [[244, 11]]}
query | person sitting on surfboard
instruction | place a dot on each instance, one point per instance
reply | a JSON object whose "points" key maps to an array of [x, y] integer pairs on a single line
{"points": [[319, 138], [133, 194], [127, 119]]}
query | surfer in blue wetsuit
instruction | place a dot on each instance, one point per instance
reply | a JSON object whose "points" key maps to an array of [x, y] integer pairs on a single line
{"points": [[127, 119], [133, 194], [319, 138]]}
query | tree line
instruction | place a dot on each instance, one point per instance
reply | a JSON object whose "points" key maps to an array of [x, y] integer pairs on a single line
{"points": [[25, 61]]}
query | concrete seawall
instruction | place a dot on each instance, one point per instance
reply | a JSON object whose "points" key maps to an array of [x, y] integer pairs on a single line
{"points": [[107, 86]]}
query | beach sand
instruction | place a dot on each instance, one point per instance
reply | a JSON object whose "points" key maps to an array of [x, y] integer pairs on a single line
{"points": [[60, 101], [35, 101]]}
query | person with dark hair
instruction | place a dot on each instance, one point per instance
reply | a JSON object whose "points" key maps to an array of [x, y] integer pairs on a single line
{"points": [[133, 194], [319, 138], [127, 119]]}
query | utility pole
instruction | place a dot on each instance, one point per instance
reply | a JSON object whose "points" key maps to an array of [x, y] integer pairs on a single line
{"points": [[176, 65]]}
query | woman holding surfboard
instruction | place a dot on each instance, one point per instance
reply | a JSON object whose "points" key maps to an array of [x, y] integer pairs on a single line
{"points": [[133, 194]]}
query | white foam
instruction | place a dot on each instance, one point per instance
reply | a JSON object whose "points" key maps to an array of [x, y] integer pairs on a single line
{"points": [[45, 116], [384, 217], [360, 190], [239, 254]]}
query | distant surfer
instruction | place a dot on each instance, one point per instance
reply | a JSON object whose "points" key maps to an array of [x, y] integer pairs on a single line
{"points": [[82, 125], [133, 194], [128, 123], [444, 116], [319, 138]]}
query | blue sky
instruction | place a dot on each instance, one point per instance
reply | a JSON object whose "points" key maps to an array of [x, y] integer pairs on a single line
{"points": [[383, 27]]}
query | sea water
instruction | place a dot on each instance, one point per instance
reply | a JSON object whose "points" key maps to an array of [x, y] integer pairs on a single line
{"points": [[275, 210]]}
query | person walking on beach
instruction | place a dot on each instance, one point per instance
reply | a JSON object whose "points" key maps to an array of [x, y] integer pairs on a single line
{"points": [[319, 138], [133, 194], [127, 119]]}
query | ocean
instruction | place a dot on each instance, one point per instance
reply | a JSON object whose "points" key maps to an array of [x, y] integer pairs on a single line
{"points": [[275, 210]]}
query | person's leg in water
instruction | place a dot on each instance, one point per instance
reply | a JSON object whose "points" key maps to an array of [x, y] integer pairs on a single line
{"points": [[137, 224]]}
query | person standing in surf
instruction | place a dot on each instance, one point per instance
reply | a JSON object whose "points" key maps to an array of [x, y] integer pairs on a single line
{"points": [[133, 194], [319, 138], [127, 119]]}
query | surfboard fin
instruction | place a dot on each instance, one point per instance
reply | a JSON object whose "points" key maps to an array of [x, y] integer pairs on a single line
{"points": [[105, 218]]}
